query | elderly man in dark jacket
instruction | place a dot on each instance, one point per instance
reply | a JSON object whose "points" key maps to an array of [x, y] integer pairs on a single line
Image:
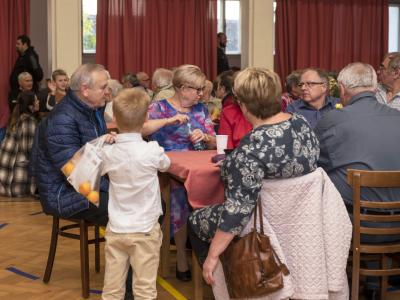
{"points": [[27, 61], [77, 120]]}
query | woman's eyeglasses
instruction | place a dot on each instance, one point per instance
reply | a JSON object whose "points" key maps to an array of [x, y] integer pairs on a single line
{"points": [[198, 90]]}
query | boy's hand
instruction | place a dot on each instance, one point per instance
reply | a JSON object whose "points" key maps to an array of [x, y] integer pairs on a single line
{"points": [[178, 119], [110, 138]]}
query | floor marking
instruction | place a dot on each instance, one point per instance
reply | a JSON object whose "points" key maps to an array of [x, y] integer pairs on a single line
{"points": [[170, 289], [21, 273], [3, 225], [98, 292]]}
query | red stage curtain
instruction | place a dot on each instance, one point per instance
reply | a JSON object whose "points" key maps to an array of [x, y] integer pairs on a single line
{"points": [[142, 35], [14, 21], [329, 34]]}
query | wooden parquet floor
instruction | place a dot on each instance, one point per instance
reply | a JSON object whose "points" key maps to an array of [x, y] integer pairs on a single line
{"points": [[25, 237]]}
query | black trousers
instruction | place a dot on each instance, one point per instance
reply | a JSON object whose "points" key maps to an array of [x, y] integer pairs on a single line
{"points": [[199, 247], [94, 214]]}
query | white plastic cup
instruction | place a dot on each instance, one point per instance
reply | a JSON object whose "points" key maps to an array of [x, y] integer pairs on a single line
{"points": [[222, 143]]}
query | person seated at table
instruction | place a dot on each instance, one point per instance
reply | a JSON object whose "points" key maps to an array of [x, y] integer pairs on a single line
{"points": [[233, 124], [15, 180], [212, 103], [223, 87], [315, 101], [162, 84], [188, 82], [293, 91], [115, 87], [281, 145], [57, 88]]}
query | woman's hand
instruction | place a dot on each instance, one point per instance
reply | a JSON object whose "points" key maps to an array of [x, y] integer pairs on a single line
{"points": [[208, 269], [197, 135], [178, 119], [110, 138]]}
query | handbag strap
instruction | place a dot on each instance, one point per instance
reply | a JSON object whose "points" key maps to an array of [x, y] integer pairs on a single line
{"points": [[258, 204], [282, 266]]}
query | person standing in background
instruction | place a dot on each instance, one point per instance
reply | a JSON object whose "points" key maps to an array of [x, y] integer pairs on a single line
{"points": [[28, 61], [222, 59]]}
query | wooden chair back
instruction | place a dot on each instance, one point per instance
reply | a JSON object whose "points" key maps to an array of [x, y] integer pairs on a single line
{"points": [[373, 211]]}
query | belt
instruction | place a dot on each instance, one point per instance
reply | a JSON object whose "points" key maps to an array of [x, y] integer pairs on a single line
{"points": [[372, 212]]}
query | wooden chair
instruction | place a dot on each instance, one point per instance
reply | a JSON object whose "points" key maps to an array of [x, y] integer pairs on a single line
{"points": [[373, 212], [84, 249]]}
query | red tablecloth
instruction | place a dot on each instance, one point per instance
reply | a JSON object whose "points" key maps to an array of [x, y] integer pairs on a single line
{"points": [[201, 177]]}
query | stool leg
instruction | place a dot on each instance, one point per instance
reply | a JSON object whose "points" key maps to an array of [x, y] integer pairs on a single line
{"points": [[52, 250], [84, 258], [97, 248]]}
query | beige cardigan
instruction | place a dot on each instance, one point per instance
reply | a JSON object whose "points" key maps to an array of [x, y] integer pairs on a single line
{"points": [[310, 230]]}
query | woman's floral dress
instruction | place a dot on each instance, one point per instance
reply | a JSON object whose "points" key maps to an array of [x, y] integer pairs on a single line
{"points": [[176, 138], [283, 150]]}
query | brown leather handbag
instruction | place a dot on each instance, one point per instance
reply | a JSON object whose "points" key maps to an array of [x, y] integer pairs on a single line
{"points": [[251, 266]]}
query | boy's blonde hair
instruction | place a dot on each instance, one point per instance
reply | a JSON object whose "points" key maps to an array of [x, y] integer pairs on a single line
{"points": [[130, 109]]}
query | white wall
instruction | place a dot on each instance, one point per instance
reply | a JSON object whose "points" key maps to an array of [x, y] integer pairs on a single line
{"points": [[257, 33]]}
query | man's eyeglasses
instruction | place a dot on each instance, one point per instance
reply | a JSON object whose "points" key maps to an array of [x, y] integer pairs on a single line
{"points": [[198, 90], [309, 84]]}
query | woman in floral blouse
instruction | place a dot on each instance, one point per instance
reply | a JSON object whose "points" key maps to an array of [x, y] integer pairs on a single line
{"points": [[280, 146], [178, 124]]}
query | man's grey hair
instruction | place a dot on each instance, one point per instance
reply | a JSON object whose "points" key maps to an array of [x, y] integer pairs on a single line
{"points": [[115, 87], [83, 76], [358, 75], [22, 75], [162, 78]]}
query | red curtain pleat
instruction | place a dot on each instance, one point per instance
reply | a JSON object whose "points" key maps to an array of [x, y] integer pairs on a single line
{"points": [[14, 21], [142, 35], [329, 34]]}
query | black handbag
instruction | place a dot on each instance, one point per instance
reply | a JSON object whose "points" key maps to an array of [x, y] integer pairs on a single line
{"points": [[251, 266]]}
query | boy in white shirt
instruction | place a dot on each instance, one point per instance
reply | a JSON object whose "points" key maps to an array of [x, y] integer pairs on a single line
{"points": [[133, 235]]}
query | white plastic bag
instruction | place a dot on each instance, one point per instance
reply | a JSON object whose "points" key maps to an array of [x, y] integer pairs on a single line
{"points": [[83, 170]]}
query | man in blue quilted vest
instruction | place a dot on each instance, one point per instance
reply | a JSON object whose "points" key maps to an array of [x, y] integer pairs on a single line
{"points": [[76, 120]]}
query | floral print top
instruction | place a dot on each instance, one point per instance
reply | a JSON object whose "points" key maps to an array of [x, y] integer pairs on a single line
{"points": [[176, 137], [283, 150]]}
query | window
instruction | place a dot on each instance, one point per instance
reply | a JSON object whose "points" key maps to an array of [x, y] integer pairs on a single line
{"points": [[89, 12], [228, 12], [394, 16]]}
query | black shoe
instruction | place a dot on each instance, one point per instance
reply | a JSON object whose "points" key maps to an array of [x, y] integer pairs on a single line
{"points": [[183, 276]]}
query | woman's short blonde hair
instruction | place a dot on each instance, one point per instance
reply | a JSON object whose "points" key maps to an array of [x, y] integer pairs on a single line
{"points": [[188, 75], [130, 109], [260, 91]]}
